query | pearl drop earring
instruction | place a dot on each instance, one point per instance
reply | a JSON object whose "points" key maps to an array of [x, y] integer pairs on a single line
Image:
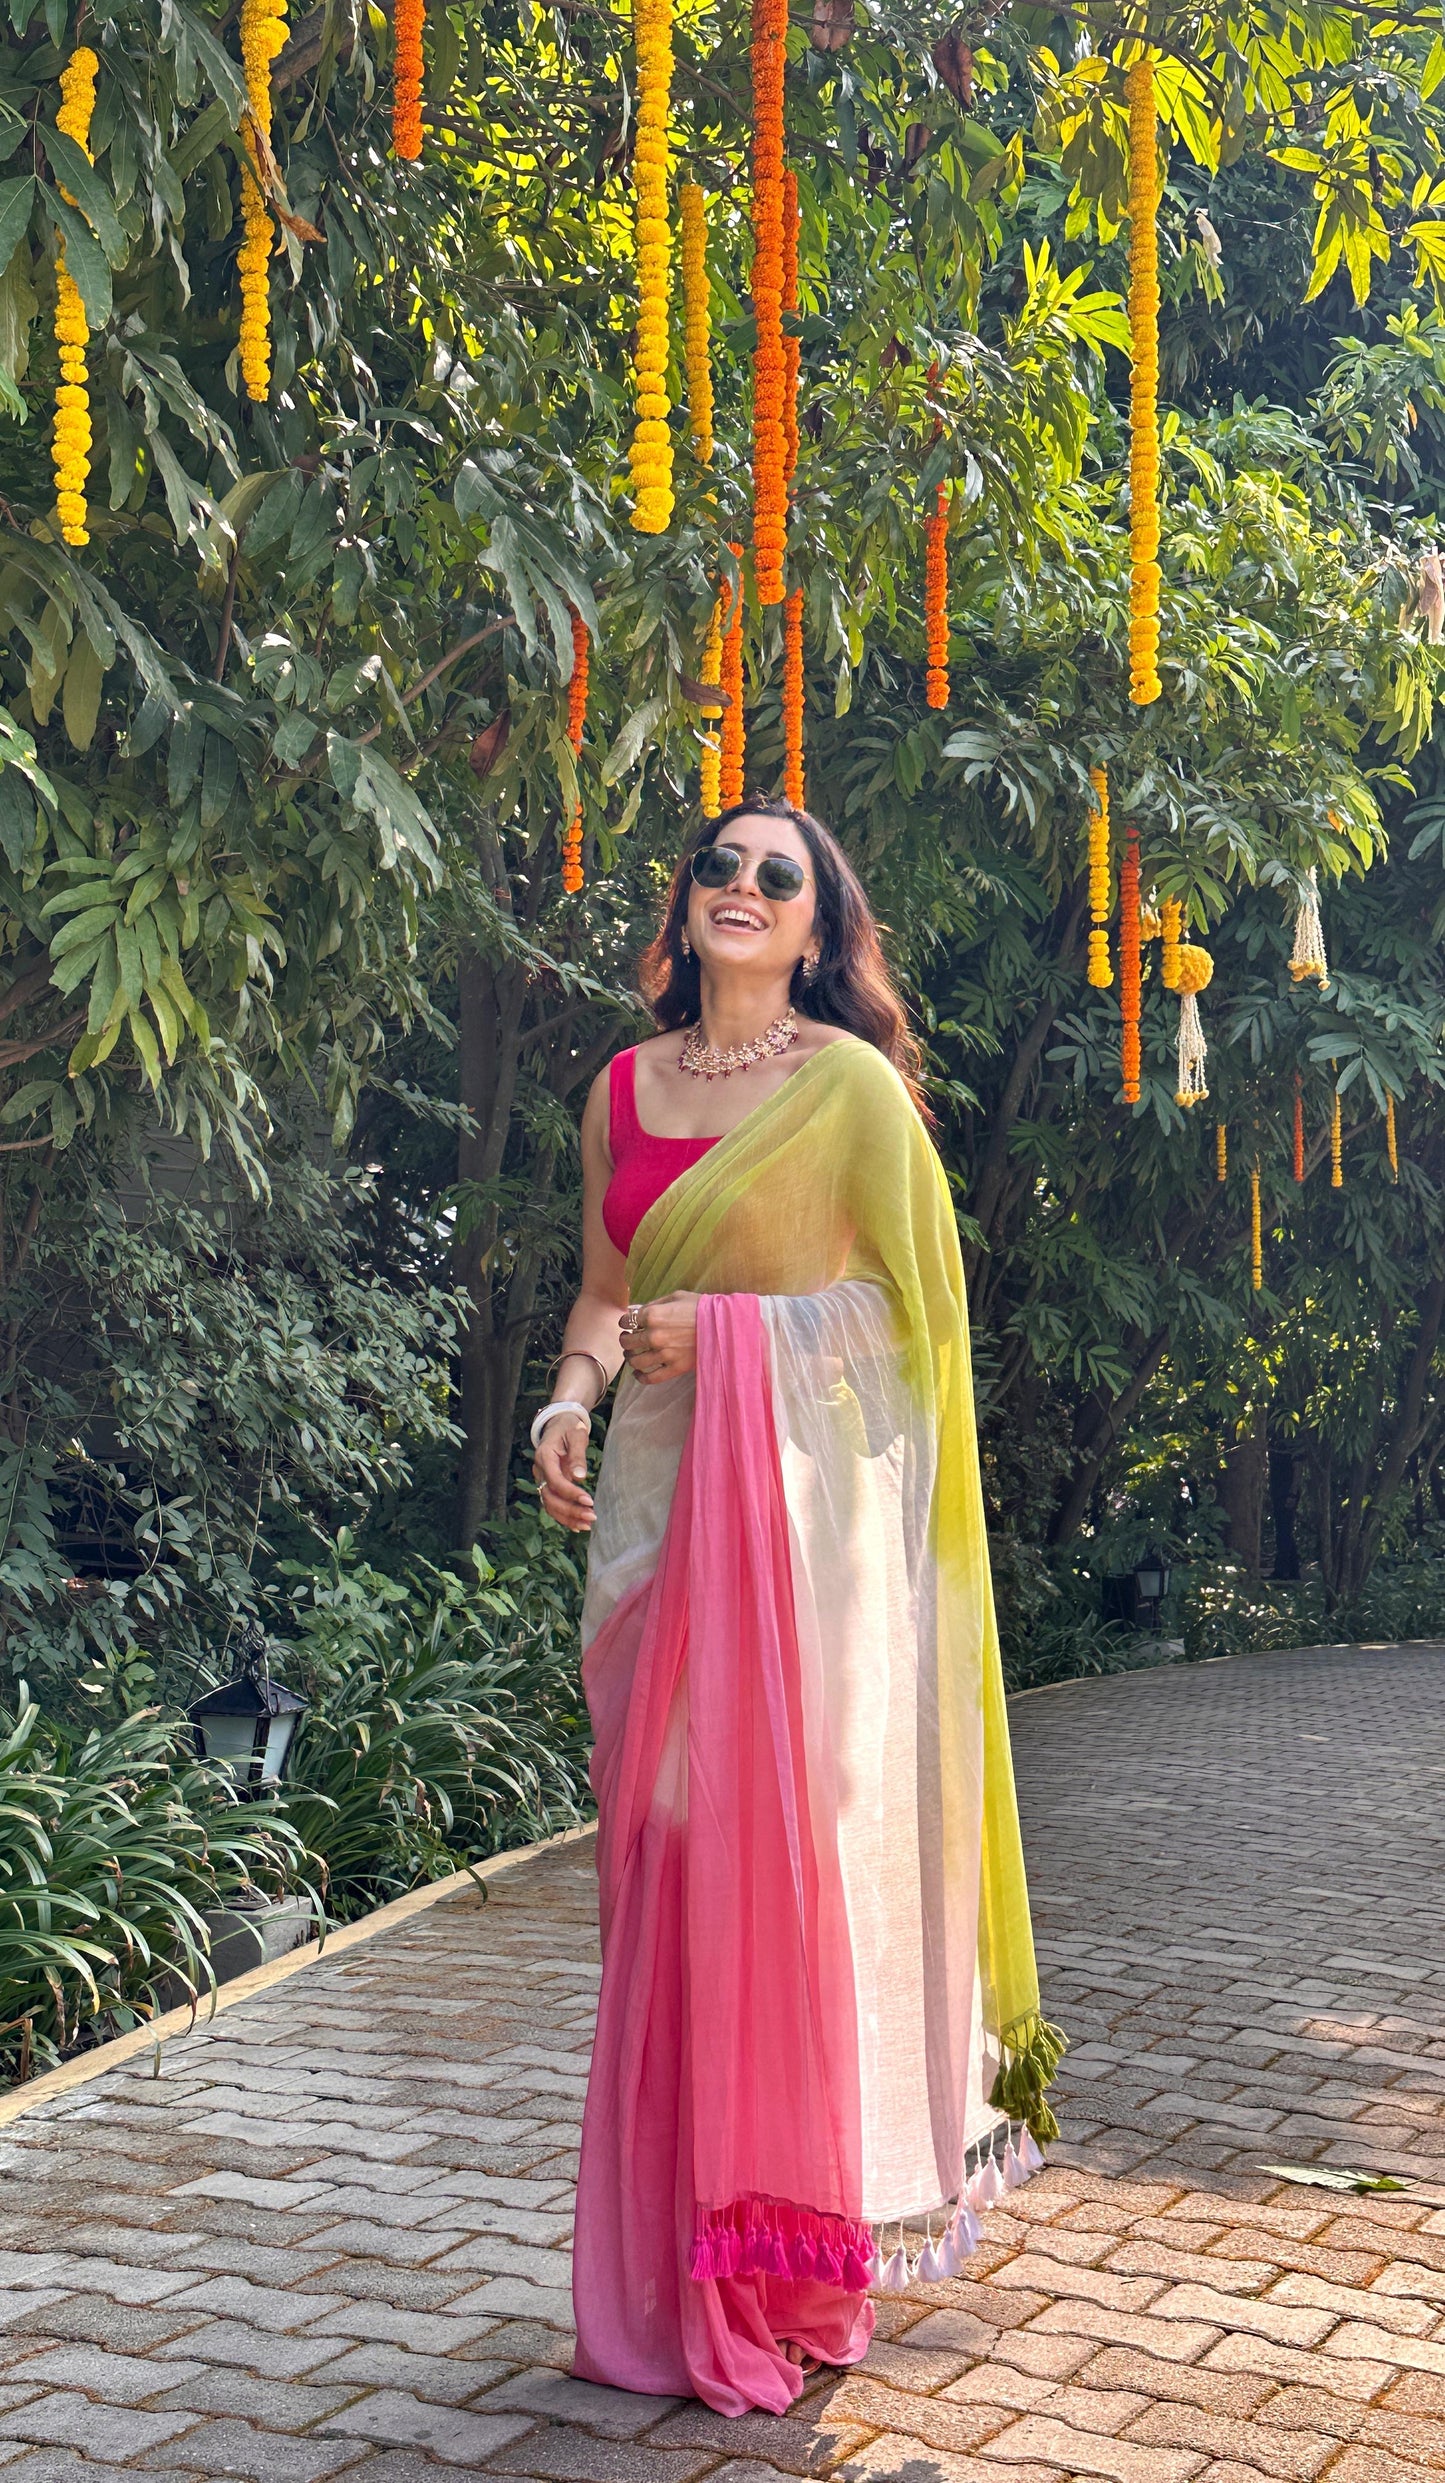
{"points": [[686, 945]]}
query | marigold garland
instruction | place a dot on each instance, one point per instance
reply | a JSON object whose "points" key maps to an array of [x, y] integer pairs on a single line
{"points": [[1171, 932], [696, 317], [1256, 1233], [650, 456], [710, 757], [1129, 967], [935, 599], [1391, 1144], [408, 21], [263, 35], [577, 690], [770, 446], [1299, 1127], [1221, 1152], [71, 445], [1337, 1145], [1101, 973], [1193, 972], [793, 699], [1144, 682], [792, 347], [734, 731]]}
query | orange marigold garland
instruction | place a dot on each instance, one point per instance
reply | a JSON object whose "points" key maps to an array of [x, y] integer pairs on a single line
{"points": [[576, 724], [1256, 1233], [770, 446], [1337, 1145], [935, 600], [263, 35], [1171, 932], [1391, 1144], [1221, 1152], [734, 731], [696, 317], [792, 348], [793, 699], [1299, 1127], [710, 757], [1101, 973], [651, 452], [1144, 384], [406, 76], [70, 447], [1129, 974]]}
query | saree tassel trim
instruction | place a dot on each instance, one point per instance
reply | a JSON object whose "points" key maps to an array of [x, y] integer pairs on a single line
{"points": [[772, 2237], [1032, 2051]]}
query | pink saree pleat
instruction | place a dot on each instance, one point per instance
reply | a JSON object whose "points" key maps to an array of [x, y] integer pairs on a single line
{"points": [[720, 2195]]}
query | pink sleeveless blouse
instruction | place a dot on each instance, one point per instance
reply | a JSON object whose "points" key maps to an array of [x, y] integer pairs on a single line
{"points": [[643, 1166]]}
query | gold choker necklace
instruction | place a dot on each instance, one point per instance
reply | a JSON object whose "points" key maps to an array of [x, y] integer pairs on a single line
{"points": [[707, 1060]]}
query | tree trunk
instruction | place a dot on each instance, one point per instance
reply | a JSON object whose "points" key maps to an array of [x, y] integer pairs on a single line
{"points": [[1070, 1514], [489, 1013], [1284, 1492], [1242, 1490]]}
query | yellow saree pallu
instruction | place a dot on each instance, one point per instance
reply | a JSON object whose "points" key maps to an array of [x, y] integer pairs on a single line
{"points": [[819, 2012]]}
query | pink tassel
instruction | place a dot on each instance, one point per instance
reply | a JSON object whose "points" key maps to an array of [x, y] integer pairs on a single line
{"points": [[858, 2272], [830, 2263], [702, 2260]]}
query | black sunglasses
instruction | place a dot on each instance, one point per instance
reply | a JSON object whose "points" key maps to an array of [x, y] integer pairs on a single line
{"points": [[779, 878]]}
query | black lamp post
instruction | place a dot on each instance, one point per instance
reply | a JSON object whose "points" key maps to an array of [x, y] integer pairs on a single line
{"points": [[1151, 1584], [249, 1723]]}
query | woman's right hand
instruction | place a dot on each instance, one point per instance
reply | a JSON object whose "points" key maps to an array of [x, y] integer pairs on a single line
{"points": [[560, 1467]]}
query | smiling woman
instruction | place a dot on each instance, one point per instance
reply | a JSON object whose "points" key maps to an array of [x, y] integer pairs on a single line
{"points": [[819, 2009]]}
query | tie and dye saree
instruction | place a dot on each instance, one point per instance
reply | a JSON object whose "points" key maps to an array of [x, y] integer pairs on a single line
{"points": [[819, 2013]]}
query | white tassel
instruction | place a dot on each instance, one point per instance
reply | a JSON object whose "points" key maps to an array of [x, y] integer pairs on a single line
{"points": [[1030, 2153], [959, 2242], [875, 2270], [1308, 963], [894, 2278], [929, 2270], [1013, 2171], [1191, 1087], [986, 2187]]}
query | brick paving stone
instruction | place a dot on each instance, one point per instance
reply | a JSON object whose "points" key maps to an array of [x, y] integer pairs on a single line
{"points": [[614, 2412], [261, 2350], [567, 2456], [117, 2379], [1039, 2438], [65, 2420], [395, 2417], [256, 2456]]}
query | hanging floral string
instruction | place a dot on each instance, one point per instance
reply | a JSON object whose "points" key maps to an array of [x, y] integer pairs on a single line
{"points": [[1144, 384], [935, 599], [408, 22], [792, 345], [734, 733], [1101, 973], [650, 456], [696, 317], [1171, 932], [770, 447], [1308, 962], [1221, 1152], [1337, 1145], [576, 724], [1256, 1232], [1129, 967], [710, 759], [1299, 1127], [1391, 1146], [263, 35], [793, 699], [70, 448], [1194, 969]]}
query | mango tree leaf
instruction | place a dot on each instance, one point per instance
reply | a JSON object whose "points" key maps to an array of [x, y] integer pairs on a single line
{"points": [[84, 258], [78, 177]]}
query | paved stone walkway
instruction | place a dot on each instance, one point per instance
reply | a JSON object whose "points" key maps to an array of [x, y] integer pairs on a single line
{"points": [[332, 2238]]}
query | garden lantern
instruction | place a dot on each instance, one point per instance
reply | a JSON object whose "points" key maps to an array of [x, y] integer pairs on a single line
{"points": [[249, 1723], [1151, 1583]]}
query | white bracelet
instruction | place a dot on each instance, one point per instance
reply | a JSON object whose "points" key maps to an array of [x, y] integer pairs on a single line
{"points": [[560, 1405]]}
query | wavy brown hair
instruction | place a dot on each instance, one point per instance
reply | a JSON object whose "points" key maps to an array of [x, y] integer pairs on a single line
{"points": [[852, 988]]}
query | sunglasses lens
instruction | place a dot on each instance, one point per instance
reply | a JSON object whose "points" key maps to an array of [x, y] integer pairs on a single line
{"points": [[780, 879], [717, 866]]}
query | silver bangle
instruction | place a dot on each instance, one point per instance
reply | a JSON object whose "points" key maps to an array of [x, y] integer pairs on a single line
{"points": [[584, 1354], [559, 1405]]}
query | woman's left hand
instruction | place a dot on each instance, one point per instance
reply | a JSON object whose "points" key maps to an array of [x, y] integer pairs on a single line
{"points": [[659, 1339]]}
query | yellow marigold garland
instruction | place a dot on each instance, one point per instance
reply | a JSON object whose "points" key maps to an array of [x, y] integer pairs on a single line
{"points": [[651, 453], [770, 447], [1391, 1144], [70, 448], [1337, 1145], [1101, 973], [1144, 384], [406, 78], [697, 317], [935, 600], [576, 726], [793, 699], [734, 732], [1129, 968], [263, 35], [1256, 1233], [1221, 1152]]}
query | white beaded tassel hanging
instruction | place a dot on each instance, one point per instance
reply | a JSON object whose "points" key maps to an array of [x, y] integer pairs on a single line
{"points": [[1193, 1053], [1308, 963]]}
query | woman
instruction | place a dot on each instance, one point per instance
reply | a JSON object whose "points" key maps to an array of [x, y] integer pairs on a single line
{"points": [[817, 1962]]}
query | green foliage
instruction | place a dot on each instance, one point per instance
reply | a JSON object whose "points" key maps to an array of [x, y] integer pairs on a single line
{"points": [[111, 1845]]}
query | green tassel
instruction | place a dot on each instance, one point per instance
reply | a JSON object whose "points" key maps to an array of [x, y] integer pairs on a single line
{"points": [[1032, 2051]]}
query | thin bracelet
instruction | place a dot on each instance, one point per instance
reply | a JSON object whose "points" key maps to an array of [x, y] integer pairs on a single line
{"points": [[559, 1405], [598, 1365]]}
